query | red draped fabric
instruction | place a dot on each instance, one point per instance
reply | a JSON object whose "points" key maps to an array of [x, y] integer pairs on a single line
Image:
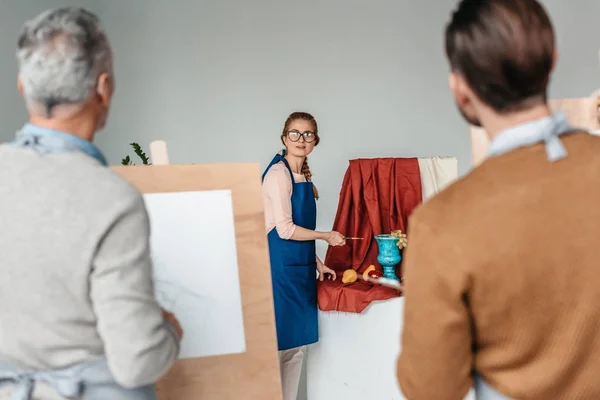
{"points": [[377, 197]]}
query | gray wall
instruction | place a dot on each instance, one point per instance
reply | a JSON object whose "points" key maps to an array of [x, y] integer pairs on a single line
{"points": [[216, 79]]}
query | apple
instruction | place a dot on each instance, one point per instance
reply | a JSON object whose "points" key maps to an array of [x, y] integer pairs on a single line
{"points": [[366, 273], [375, 274]]}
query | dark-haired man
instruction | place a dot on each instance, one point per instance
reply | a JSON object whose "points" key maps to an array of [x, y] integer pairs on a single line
{"points": [[503, 268]]}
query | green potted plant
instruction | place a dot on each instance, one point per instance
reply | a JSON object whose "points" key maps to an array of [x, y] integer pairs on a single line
{"points": [[137, 149]]}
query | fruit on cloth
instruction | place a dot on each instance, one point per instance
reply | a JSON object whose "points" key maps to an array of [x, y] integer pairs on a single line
{"points": [[402, 238], [349, 276], [366, 273], [375, 274]]}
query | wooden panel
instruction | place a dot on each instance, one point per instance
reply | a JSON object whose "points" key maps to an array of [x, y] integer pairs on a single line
{"points": [[255, 373], [582, 113]]}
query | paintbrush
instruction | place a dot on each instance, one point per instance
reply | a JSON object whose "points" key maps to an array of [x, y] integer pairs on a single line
{"points": [[391, 283], [353, 238]]}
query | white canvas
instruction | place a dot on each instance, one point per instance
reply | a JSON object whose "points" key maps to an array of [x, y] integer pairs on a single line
{"points": [[196, 269]]}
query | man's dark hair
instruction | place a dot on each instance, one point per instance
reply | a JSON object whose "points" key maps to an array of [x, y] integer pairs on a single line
{"points": [[504, 49]]}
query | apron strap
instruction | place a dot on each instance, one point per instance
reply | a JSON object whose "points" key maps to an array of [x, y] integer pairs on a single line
{"points": [[67, 386], [23, 387], [287, 165], [555, 150], [44, 141], [546, 131], [68, 382], [279, 158], [483, 391]]}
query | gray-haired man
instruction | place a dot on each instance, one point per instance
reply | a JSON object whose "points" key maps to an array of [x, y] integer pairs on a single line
{"points": [[79, 318]]}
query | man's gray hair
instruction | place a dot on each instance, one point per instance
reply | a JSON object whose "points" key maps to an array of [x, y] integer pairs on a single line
{"points": [[61, 53]]}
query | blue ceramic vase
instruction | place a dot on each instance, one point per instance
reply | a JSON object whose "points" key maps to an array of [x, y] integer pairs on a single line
{"points": [[389, 255]]}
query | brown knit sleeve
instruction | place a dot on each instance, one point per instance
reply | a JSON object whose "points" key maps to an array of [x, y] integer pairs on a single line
{"points": [[436, 357]]}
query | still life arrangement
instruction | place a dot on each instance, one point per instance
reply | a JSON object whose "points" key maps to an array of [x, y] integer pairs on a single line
{"points": [[388, 257]]}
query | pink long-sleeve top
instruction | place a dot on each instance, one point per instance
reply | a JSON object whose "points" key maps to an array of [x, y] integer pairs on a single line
{"points": [[277, 195]]}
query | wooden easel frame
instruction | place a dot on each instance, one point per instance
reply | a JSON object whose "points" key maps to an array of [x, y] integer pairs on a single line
{"points": [[582, 113], [255, 373]]}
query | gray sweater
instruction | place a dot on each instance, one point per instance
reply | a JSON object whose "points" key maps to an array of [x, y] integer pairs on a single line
{"points": [[75, 269]]}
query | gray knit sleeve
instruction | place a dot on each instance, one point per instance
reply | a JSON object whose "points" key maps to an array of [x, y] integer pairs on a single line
{"points": [[139, 345]]}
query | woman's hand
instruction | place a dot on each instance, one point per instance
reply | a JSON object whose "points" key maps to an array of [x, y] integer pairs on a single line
{"points": [[335, 239], [325, 270]]}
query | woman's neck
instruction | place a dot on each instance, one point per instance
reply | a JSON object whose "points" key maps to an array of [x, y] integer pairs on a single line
{"points": [[295, 163]]}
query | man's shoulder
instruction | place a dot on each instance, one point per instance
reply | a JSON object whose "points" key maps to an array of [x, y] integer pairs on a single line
{"points": [[112, 192], [517, 171], [451, 204], [114, 182], [582, 140], [77, 172], [104, 181]]}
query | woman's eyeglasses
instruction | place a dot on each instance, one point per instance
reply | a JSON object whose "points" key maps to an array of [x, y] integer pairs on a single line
{"points": [[308, 136]]}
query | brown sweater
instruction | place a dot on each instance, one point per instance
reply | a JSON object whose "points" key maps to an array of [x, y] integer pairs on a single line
{"points": [[503, 276]]}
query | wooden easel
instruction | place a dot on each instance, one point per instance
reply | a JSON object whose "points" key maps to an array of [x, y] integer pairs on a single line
{"points": [[583, 113], [253, 375]]}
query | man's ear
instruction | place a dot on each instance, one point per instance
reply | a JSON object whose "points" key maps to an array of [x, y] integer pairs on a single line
{"points": [[554, 60], [455, 83], [104, 89], [20, 85], [452, 78], [461, 90]]}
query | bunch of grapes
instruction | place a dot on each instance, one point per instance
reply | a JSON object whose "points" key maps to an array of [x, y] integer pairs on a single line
{"points": [[402, 238]]}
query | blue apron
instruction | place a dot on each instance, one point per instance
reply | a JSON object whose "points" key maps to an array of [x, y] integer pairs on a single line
{"points": [[547, 130], [293, 271], [90, 380]]}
